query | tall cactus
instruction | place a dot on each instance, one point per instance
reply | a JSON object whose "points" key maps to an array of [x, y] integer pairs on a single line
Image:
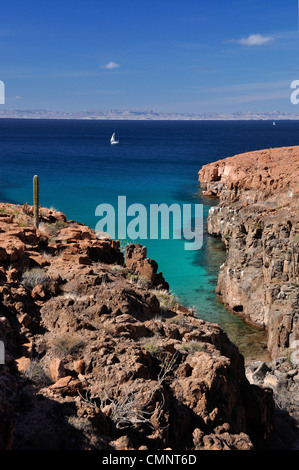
{"points": [[36, 201]]}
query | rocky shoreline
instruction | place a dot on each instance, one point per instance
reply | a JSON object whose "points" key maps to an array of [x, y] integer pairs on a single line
{"points": [[101, 356], [257, 219]]}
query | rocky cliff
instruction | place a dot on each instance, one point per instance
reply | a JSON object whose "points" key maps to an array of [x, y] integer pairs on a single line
{"points": [[258, 220], [100, 355]]}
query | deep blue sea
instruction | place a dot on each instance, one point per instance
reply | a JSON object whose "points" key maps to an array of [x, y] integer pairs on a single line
{"points": [[154, 162]]}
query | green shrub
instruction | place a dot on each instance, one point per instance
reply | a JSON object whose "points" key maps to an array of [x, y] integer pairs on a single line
{"points": [[153, 348], [67, 344], [193, 346], [140, 281], [33, 277], [167, 300], [54, 228], [37, 375], [81, 424]]}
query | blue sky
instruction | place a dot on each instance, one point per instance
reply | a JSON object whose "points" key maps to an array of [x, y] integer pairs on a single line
{"points": [[168, 55]]}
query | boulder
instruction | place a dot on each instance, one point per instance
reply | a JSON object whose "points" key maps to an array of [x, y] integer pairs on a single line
{"points": [[67, 386], [57, 370]]}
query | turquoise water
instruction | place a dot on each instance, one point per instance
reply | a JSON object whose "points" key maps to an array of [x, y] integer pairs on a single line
{"points": [[155, 162]]}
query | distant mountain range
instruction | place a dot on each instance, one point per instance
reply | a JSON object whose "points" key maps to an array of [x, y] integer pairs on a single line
{"points": [[116, 114]]}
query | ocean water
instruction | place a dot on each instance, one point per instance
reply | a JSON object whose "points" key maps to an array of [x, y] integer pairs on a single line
{"points": [[155, 162]]}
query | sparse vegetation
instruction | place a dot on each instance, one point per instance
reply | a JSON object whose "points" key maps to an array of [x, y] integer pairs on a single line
{"points": [[67, 345], [167, 299], [53, 229], [130, 410], [117, 268], [24, 223], [33, 277], [37, 375], [153, 348], [4, 210], [81, 424], [9, 210], [136, 407], [123, 244], [140, 281], [132, 277], [158, 318], [193, 346], [167, 365], [182, 321]]}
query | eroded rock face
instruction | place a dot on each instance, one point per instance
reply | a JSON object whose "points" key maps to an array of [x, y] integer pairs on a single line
{"points": [[142, 266], [258, 220], [95, 362]]}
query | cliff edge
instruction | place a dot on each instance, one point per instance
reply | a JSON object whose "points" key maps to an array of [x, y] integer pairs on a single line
{"points": [[258, 220]]}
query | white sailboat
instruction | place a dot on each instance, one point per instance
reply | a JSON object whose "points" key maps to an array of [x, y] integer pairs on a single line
{"points": [[113, 140]]}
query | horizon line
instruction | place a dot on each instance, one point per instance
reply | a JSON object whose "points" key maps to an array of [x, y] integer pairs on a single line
{"points": [[143, 114]]}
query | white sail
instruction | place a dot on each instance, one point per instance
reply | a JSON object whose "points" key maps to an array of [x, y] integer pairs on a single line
{"points": [[113, 140]]}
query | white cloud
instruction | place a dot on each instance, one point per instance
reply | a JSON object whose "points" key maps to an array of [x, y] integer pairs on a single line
{"points": [[255, 40], [111, 65]]}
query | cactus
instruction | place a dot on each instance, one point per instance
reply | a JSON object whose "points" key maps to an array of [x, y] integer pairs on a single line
{"points": [[36, 201]]}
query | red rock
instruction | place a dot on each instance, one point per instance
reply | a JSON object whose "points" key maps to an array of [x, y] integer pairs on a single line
{"points": [[28, 349], [100, 324], [134, 253], [67, 386], [57, 370], [23, 363], [122, 443], [257, 219], [197, 437], [25, 320], [79, 366], [136, 260], [84, 260], [12, 275], [12, 248], [210, 193], [7, 219], [227, 441], [262, 170], [38, 292], [39, 260]]}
